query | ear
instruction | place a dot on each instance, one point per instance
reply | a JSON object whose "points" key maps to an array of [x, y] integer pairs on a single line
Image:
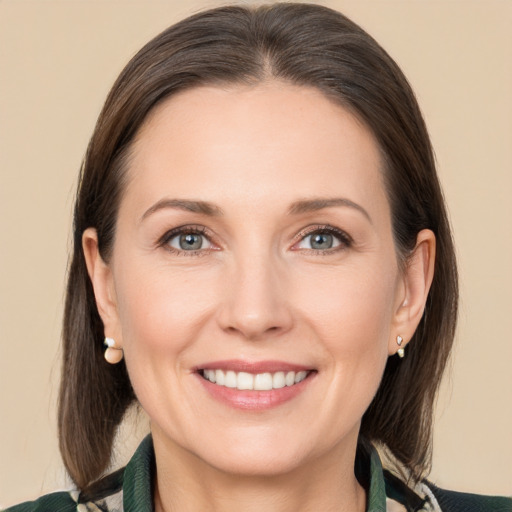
{"points": [[103, 285], [413, 291]]}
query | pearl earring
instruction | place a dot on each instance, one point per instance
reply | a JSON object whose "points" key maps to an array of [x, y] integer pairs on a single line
{"points": [[113, 354], [401, 350]]}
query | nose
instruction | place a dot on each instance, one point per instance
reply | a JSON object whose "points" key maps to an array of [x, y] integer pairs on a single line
{"points": [[255, 304]]}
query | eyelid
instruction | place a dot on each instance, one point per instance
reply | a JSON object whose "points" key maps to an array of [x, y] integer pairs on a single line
{"points": [[344, 238], [198, 229]]}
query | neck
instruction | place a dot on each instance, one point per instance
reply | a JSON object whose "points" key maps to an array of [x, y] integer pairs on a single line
{"points": [[186, 484]]}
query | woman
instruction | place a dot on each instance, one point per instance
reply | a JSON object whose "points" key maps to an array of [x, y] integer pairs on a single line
{"points": [[262, 260]]}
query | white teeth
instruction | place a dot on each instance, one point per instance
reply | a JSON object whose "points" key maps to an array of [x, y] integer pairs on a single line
{"points": [[245, 381], [300, 376], [278, 381], [219, 377], [231, 379], [258, 382], [263, 381]]}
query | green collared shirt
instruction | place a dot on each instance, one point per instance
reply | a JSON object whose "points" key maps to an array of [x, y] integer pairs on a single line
{"points": [[130, 490]]}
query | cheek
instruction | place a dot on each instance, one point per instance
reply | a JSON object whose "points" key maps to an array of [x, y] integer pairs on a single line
{"points": [[352, 309], [349, 314], [161, 315], [352, 314], [161, 310]]}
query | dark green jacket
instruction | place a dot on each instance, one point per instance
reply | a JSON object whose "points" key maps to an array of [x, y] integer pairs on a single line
{"points": [[129, 490]]}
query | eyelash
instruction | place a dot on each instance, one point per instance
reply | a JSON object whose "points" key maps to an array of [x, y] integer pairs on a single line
{"points": [[345, 241], [186, 230]]}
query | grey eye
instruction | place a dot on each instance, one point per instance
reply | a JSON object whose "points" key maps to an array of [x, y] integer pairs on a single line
{"points": [[321, 241], [189, 242]]}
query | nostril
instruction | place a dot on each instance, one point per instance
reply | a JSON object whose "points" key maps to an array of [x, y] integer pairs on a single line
{"points": [[254, 312], [254, 331]]}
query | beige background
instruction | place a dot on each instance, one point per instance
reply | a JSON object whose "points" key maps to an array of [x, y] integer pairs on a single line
{"points": [[57, 62]]}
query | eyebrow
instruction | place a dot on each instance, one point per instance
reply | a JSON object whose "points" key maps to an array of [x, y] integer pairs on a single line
{"points": [[202, 207], [313, 205], [297, 208]]}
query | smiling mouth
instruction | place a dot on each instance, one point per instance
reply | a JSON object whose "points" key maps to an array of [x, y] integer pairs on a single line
{"points": [[245, 381]]}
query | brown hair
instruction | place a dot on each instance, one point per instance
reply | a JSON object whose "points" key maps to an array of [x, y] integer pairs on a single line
{"points": [[300, 44]]}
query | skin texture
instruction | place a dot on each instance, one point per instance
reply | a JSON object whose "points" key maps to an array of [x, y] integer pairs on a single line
{"points": [[256, 291]]}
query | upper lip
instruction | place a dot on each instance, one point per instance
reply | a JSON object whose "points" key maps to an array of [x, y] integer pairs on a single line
{"points": [[255, 367]]}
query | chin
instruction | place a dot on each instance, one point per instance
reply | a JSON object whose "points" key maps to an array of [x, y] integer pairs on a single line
{"points": [[263, 454], [259, 465]]}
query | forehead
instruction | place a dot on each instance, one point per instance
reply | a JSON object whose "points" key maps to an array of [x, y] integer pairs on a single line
{"points": [[273, 142]]}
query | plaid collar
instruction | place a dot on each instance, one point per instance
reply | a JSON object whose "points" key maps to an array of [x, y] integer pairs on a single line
{"points": [[131, 489]]}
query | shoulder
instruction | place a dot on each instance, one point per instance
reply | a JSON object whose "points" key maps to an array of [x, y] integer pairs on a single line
{"points": [[106, 495], [131, 485], [427, 497], [57, 502], [453, 501]]}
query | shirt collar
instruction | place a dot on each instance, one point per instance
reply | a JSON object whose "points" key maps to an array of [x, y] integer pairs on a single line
{"points": [[140, 471], [376, 501], [138, 479]]}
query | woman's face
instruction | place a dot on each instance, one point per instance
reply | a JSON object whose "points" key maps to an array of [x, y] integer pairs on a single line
{"points": [[254, 249]]}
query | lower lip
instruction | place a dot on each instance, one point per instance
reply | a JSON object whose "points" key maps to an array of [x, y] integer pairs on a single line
{"points": [[255, 400]]}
